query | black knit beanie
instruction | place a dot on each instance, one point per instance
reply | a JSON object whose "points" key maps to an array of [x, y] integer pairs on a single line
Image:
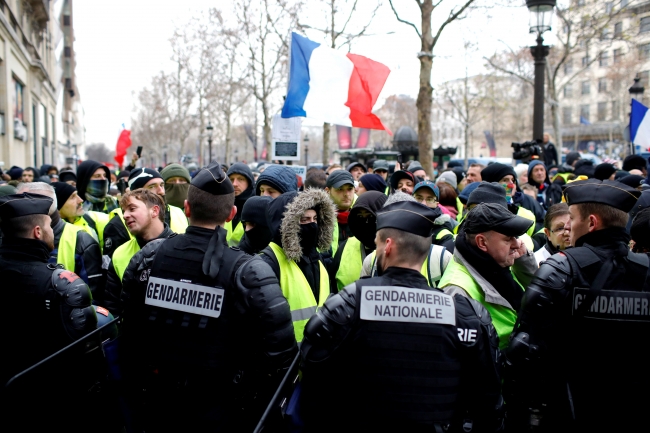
{"points": [[63, 192], [604, 171], [497, 171], [255, 210], [140, 176], [488, 192]]}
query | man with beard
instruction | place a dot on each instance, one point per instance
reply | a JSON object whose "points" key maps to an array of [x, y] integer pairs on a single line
{"points": [[348, 261], [548, 193], [45, 309], [116, 232], [340, 187], [486, 249], [241, 177], [584, 318], [556, 231], [403, 363], [257, 234], [144, 212], [71, 210], [74, 248], [301, 224]]}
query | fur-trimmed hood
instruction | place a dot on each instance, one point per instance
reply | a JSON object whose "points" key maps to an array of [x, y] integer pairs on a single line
{"points": [[294, 206]]}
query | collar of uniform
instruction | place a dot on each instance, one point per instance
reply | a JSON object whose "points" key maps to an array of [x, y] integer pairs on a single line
{"points": [[21, 249], [405, 277], [605, 237]]}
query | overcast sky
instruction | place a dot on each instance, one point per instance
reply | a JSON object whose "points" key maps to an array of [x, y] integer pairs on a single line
{"points": [[120, 45]]}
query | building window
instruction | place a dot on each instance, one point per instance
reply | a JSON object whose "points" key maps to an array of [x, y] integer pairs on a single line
{"points": [[66, 20], [604, 33], [603, 59], [644, 51], [67, 52], [602, 85], [17, 101], [585, 87], [645, 75], [644, 25], [624, 3], [615, 110], [618, 55], [585, 62], [609, 6], [602, 111], [580, 2], [568, 67], [618, 30], [584, 113], [568, 91], [566, 115]]}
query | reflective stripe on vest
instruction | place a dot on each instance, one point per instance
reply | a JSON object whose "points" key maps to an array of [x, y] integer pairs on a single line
{"points": [[123, 255], [431, 269], [177, 219], [296, 289], [67, 245], [335, 239], [234, 236], [459, 208], [503, 318], [525, 213], [442, 233], [351, 263]]}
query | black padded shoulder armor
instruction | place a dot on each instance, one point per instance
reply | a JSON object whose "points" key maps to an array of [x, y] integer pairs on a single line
{"points": [[74, 299], [330, 325], [255, 273], [554, 273]]}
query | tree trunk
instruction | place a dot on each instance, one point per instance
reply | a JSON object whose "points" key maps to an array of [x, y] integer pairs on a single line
{"points": [[425, 94], [326, 144], [227, 156], [267, 131], [466, 145]]}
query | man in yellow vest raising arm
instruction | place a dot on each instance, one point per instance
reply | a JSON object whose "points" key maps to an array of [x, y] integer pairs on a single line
{"points": [[301, 223], [144, 215], [486, 249]]}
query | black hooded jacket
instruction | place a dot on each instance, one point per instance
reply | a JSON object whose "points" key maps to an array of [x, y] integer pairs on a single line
{"points": [[85, 172], [240, 200]]}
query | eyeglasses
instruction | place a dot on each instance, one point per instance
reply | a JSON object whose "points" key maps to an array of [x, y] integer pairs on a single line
{"points": [[560, 230], [429, 200]]}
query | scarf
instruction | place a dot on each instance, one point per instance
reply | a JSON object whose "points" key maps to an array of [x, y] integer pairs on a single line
{"points": [[499, 277], [176, 194], [342, 217]]}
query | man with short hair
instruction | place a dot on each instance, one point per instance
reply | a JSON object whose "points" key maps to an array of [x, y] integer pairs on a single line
{"points": [[45, 308], [428, 193], [340, 187], [548, 193], [486, 249], [30, 174], [71, 210], [206, 316], [474, 173], [316, 178], [116, 232], [580, 301], [548, 150], [375, 343], [556, 232], [74, 248], [418, 171]]}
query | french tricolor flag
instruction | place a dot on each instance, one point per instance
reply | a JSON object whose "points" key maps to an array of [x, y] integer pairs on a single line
{"points": [[331, 86], [640, 125]]}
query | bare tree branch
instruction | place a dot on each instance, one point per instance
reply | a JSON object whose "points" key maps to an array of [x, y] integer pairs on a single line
{"points": [[404, 21]]}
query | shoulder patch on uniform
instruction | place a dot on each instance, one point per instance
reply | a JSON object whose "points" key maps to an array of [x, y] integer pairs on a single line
{"points": [[101, 310], [403, 304], [189, 298], [613, 305]]}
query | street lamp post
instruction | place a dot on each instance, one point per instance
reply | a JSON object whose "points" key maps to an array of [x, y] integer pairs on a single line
{"points": [[541, 13], [636, 93], [209, 128], [306, 140]]}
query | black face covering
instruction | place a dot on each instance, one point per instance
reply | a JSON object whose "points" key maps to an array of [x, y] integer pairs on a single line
{"points": [[366, 231], [308, 237], [176, 194], [255, 239]]}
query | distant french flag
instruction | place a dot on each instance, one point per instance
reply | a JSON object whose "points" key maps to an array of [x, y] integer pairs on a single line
{"points": [[331, 86], [640, 125]]}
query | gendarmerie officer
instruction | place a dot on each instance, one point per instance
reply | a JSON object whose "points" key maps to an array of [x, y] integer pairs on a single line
{"points": [[404, 356], [577, 355], [207, 331], [44, 308]]}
